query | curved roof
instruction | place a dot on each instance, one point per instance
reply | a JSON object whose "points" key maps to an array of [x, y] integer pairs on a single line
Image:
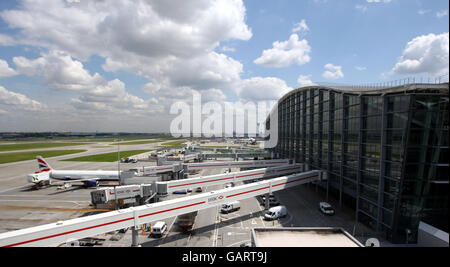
{"points": [[442, 88]]}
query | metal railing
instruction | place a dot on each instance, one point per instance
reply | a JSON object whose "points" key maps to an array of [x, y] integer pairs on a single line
{"points": [[387, 84]]}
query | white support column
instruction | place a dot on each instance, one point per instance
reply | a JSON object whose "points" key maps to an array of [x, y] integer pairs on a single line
{"points": [[135, 230], [134, 237]]}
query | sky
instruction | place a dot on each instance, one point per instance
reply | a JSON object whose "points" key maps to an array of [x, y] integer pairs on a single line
{"points": [[85, 66]]}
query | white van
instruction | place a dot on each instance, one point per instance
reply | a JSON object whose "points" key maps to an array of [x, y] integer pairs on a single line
{"points": [[158, 229], [229, 185], [229, 207], [275, 213]]}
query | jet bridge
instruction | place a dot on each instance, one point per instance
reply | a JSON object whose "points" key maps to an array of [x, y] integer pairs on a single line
{"points": [[66, 231], [212, 165], [238, 164], [163, 188]]}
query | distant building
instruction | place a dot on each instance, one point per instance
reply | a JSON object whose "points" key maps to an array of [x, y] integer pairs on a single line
{"points": [[386, 150]]}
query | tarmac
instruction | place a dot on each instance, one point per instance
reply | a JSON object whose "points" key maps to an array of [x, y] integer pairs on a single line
{"points": [[22, 207]]}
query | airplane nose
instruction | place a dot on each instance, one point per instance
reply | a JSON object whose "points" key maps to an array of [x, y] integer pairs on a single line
{"points": [[30, 178]]}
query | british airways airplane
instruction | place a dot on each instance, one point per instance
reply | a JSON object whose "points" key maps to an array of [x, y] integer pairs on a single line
{"points": [[88, 177]]}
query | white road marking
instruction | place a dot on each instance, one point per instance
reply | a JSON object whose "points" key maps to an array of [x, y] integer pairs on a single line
{"points": [[216, 231]]}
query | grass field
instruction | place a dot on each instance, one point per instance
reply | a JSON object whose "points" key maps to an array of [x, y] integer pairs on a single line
{"points": [[80, 139], [108, 157], [20, 156], [230, 147], [14, 147]]}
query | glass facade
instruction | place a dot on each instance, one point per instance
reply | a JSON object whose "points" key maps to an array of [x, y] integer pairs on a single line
{"points": [[386, 151]]}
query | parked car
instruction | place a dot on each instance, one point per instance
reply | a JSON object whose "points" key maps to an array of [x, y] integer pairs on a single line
{"points": [[246, 245], [272, 201], [271, 197], [199, 190], [326, 208]]}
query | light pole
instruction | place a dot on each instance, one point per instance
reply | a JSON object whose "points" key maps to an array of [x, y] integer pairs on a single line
{"points": [[118, 172], [118, 158]]}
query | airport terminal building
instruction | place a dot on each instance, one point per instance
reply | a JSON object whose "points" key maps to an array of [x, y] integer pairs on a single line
{"points": [[385, 149]]}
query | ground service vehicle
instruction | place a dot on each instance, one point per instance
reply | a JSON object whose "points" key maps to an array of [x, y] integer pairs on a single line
{"points": [[127, 194], [230, 207], [186, 221], [326, 208], [273, 202], [159, 228], [275, 213], [229, 185], [182, 191], [246, 245]]}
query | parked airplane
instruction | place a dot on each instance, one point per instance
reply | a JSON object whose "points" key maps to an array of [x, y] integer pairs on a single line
{"points": [[88, 177]]}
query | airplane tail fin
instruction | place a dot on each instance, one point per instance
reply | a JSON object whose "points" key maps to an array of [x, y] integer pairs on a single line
{"points": [[43, 165]]}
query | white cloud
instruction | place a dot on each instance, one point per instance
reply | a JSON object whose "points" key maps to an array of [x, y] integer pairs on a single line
{"points": [[158, 28], [284, 54], [360, 68], [228, 49], [6, 40], [5, 70], [258, 88], [18, 102], [151, 88], [423, 11], [425, 54], [301, 27], [171, 43], [213, 95], [364, 8], [361, 7], [378, 1], [442, 13], [305, 80], [59, 71], [113, 97], [333, 72]]}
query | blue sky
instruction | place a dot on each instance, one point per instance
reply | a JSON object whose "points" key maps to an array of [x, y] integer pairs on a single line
{"points": [[341, 34], [83, 66]]}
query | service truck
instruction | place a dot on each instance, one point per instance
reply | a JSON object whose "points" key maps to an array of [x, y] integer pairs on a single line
{"points": [[128, 194], [229, 207], [186, 221]]}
